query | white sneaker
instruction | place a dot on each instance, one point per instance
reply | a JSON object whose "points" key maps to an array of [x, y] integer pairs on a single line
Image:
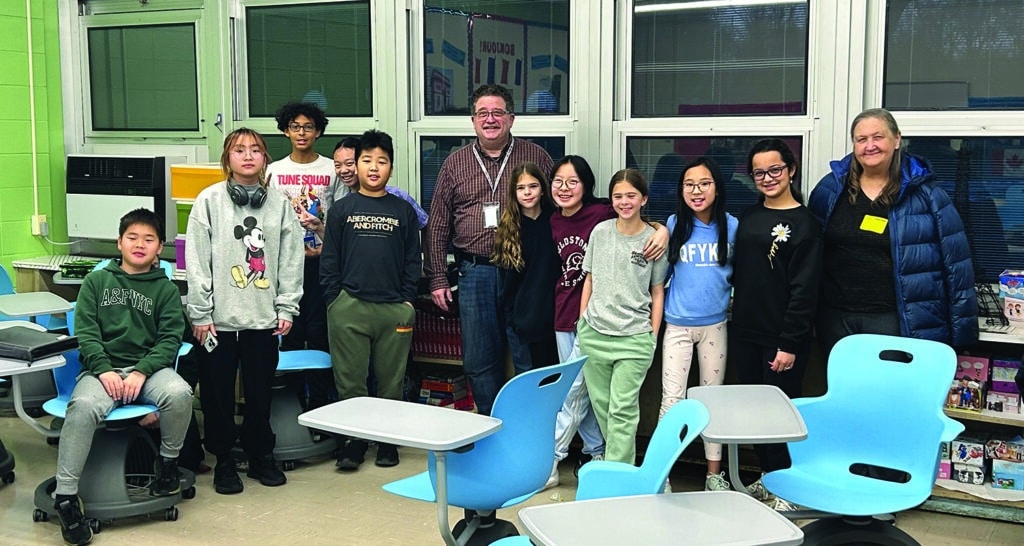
{"points": [[782, 505], [716, 482], [553, 478], [668, 486], [758, 491], [598, 457]]}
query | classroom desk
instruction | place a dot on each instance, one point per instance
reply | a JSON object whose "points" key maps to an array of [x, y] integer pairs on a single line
{"points": [[32, 304], [15, 368], [748, 414], [694, 518], [432, 428]]}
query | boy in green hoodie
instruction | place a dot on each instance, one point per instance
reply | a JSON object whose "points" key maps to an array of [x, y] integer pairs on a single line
{"points": [[129, 322]]}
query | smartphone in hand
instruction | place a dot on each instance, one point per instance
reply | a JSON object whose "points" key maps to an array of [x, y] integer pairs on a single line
{"points": [[210, 343]]}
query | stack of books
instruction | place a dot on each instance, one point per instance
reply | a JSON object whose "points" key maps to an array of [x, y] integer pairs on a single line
{"points": [[446, 391]]}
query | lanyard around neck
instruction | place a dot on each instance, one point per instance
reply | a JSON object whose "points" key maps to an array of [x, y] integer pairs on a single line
{"points": [[493, 182]]}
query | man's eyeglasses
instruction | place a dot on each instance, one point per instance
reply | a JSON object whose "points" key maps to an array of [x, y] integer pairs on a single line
{"points": [[773, 172], [296, 128], [484, 114], [692, 187], [569, 183]]}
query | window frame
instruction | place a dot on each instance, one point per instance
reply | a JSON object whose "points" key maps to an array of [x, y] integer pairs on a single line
{"points": [[122, 20]]}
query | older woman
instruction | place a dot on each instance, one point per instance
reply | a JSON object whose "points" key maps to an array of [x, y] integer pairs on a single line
{"points": [[896, 258]]}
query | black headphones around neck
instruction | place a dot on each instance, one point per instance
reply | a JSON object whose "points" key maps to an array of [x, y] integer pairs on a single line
{"points": [[240, 195]]}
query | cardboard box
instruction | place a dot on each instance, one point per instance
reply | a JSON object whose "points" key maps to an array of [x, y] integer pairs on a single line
{"points": [[945, 470], [1013, 309], [972, 367], [968, 449], [1011, 284], [1003, 402], [971, 474], [1004, 370], [1007, 475], [1005, 449], [944, 450]]}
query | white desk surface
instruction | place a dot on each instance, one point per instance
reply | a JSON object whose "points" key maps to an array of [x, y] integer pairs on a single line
{"points": [[29, 304], [749, 414], [15, 367], [695, 518], [403, 423]]}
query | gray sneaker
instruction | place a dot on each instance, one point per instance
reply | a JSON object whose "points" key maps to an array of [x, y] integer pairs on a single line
{"points": [[782, 505], [717, 482], [758, 491]]}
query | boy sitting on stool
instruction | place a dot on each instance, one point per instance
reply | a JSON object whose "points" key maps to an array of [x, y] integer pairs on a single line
{"points": [[129, 323]]}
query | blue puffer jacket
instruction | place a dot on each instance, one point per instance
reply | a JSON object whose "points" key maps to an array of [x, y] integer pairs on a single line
{"points": [[934, 275]]}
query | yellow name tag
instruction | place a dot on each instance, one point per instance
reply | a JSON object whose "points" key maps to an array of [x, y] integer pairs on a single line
{"points": [[874, 224]]}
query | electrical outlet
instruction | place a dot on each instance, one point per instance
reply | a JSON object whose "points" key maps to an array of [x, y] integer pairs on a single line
{"points": [[38, 220]]}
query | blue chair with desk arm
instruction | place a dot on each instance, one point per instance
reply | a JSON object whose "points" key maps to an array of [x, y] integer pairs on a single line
{"points": [[507, 467], [115, 480], [872, 444], [36, 388]]}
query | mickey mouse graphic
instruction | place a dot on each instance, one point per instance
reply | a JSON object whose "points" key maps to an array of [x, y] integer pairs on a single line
{"points": [[252, 237]]}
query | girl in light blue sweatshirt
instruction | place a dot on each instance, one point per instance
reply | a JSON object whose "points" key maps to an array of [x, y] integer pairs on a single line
{"points": [[700, 261]]}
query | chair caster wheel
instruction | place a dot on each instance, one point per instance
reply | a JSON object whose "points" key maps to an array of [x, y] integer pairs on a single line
{"points": [[96, 526], [9, 477], [53, 441], [189, 493], [35, 413], [171, 514], [288, 466], [40, 515]]}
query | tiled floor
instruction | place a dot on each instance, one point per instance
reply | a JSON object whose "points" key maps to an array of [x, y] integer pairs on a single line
{"points": [[321, 506]]}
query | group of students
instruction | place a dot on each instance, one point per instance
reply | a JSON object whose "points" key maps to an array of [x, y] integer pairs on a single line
{"points": [[277, 261], [879, 249]]}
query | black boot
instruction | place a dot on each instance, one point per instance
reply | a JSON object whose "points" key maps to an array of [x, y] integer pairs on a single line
{"points": [[168, 480], [264, 469], [73, 527], [225, 476], [352, 455], [387, 455]]}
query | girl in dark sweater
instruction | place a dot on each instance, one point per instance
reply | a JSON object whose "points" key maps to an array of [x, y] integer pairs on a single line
{"points": [[529, 267], [776, 273]]}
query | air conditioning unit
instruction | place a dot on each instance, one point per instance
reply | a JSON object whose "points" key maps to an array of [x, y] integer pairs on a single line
{"points": [[102, 188]]}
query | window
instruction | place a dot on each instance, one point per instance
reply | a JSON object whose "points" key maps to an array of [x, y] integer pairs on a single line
{"points": [[662, 160], [523, 46], [434, 150], [954, 54], [985, 179], [133, 68], [691, 58], [317, 53]]}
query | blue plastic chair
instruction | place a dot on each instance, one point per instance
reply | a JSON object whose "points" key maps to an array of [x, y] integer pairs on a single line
{"points": [[293, 441], [683, 422], [883, 409], [508, 467]]}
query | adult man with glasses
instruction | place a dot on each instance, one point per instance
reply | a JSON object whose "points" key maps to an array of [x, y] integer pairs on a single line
{"points": [[468, 199]]}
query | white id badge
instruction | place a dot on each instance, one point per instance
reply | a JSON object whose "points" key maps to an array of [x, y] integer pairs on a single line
{"points": [[490, 215]]}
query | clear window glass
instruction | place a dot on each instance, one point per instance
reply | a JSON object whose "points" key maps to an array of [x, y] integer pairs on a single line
{"points": [[435, 149], [690, 59], [985, 179], [662, 160], [523, 46], [954, 54], [317, 53], [133, 68]]}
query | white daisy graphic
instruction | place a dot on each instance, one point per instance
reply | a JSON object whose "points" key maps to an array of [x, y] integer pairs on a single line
{"points": [[781, 233]]}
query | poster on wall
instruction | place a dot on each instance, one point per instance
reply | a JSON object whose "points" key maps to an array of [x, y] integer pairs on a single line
{"points": [[463, 51]]}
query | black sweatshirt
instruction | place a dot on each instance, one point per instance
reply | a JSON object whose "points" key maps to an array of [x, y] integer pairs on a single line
{"points": [[371, 250], [776, 277], [528, 296]]}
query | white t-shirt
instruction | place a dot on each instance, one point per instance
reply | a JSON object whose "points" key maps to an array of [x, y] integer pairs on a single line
{"points": [[308, 186]]}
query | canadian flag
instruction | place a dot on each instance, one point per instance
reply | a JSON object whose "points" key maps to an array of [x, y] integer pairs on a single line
{"points": [[1013, 162]]}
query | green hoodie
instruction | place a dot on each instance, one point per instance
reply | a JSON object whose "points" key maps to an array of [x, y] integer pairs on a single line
{"points": [[128, 321]]}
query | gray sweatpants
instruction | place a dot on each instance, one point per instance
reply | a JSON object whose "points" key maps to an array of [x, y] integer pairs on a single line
{"points": [[90, 404]]}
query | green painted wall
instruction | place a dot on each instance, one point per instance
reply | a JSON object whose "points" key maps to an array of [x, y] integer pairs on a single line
{"points": [[16, 193]]}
